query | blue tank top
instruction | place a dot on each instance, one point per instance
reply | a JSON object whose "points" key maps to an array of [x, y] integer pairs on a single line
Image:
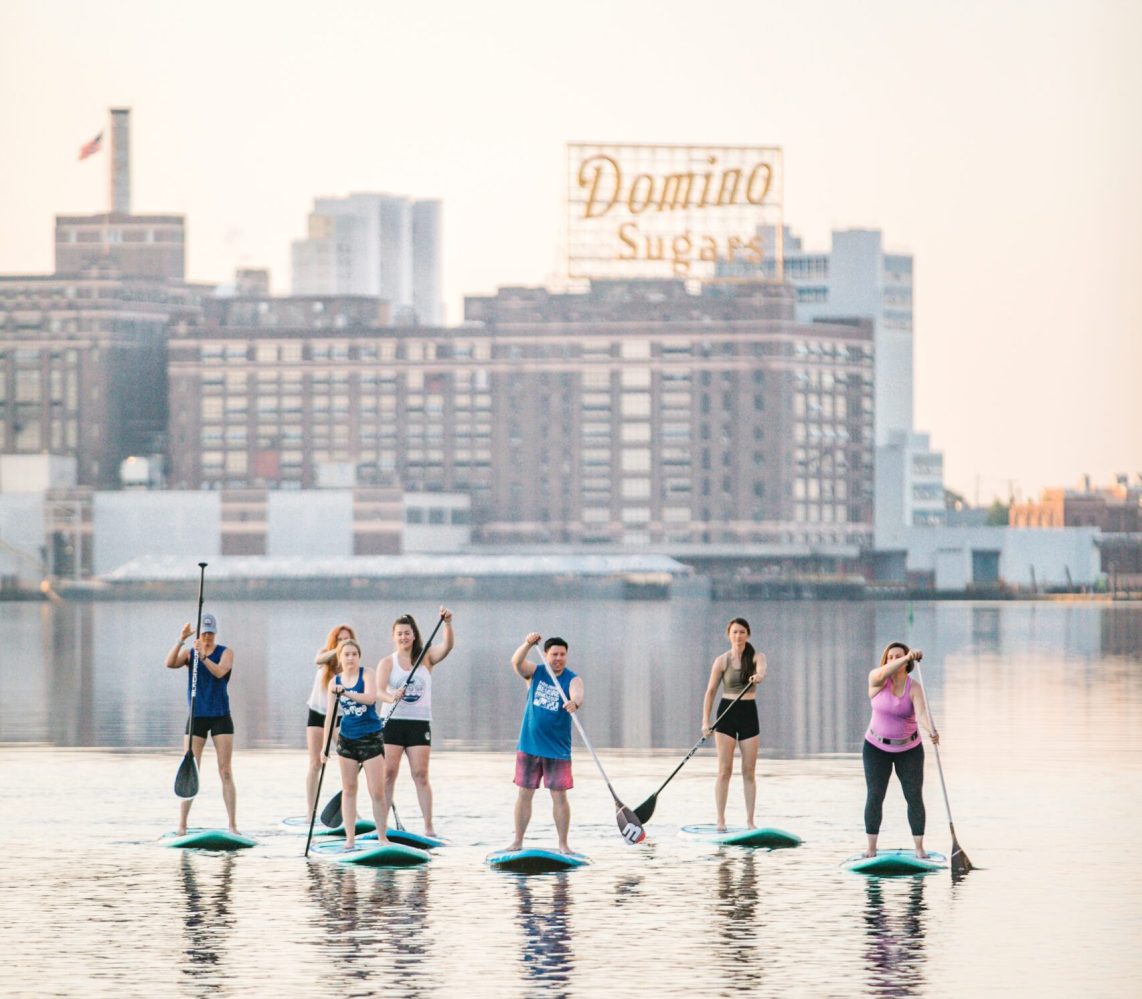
{"points": [[546, 728], [358, 720], [211, 699]]}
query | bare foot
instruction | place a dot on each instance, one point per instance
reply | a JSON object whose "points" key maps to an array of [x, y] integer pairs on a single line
{"points": [[181, 832], [516, 845], [720, 827], [869, 854], [564, 848], [234, 831], [921, 855]]}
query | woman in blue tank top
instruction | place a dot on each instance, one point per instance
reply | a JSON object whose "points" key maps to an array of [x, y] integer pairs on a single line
{"points": [[353, 696]]}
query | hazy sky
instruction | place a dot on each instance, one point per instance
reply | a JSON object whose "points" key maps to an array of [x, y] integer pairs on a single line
{"points": [[1000, 142]]}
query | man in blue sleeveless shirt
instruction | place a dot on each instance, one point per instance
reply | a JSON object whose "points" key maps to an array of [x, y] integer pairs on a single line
{"points": [[544, 747], [211, 709]]}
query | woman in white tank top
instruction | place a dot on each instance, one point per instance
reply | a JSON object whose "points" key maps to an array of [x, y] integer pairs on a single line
{"points": [[408, 721]]}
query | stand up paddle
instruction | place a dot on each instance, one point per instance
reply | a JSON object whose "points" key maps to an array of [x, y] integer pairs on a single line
{"points": [[629, 826], [321, 776], [186, 780], [646, 809], [331, 813], [958, 862]]}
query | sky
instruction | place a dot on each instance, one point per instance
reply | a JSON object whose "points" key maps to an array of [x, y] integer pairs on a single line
{"points": [[998, 141]]}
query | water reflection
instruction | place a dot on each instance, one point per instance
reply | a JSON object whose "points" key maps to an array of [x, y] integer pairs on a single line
{"points": [[103, 665], [739, 929], [543, 912], [207, 919], [894, 921]]}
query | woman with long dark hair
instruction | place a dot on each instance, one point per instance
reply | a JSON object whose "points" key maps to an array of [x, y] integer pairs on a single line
{"points": [[738, 669], [409, 731], [892, 741]]}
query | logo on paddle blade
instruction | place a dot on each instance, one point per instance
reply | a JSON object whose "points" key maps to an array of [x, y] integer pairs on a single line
{"points": [[633, 833]]}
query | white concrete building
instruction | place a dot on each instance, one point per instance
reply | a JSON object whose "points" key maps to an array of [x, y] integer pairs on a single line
{"points": [[388, 246]]}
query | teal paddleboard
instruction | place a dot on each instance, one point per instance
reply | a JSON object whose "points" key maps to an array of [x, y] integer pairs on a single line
{"points": [[372, 855], [209, 839], [535, 860], [300, 823], [895, 863], [764, 838], [407, 838]]}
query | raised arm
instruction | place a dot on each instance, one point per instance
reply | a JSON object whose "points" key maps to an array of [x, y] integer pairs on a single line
{"points": [[178, 657], [519, 658], [438, 652], [325, 657], [878, 677]]}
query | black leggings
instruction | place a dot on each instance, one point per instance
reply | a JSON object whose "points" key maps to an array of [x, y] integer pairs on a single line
{"points": [[877, 772]]}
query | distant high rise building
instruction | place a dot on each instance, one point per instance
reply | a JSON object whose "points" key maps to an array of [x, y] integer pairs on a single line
{"points": [[382, 245]]}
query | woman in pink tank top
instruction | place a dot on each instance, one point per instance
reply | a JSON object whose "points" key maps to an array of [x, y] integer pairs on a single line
{"points": [[892, 741]]}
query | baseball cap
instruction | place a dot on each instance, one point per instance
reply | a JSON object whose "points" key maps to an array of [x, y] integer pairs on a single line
{"points": [[209, 624]]}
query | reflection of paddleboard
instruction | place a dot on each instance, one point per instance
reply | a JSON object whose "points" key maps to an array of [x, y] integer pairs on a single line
{"points": [[408, 838], [895, 863], [767, 837], [535, 860], [300, 823], [371, 855], [208, 839]]}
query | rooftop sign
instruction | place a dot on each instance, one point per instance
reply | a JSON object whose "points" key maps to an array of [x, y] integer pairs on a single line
{"points": [[642, 211]]}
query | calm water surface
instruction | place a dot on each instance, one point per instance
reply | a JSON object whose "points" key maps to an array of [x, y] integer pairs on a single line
{"points": [[1039, 706]]}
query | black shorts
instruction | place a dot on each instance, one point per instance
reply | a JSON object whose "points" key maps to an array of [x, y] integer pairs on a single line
{"points": [[205, 725], [317, 720], [408, 732], [740, 721], [361, 749]]}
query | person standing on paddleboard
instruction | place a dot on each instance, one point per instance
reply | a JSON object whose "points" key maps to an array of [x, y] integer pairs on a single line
{"points": [[893, 741], [739, 669], [411, 731], [211, 709], [544, 747], [327, 668], [354, 693]]}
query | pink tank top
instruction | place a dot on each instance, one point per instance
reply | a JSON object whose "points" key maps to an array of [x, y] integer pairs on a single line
{"points": [[893, 727]]}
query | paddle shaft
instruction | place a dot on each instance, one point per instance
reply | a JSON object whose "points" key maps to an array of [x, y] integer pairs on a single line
{"points": [[321, 776], [186, 779], [964, 865], [583, 735], [333, 808]]}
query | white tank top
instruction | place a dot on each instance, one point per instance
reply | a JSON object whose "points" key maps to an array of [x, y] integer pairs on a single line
{"points": [[318, 697], [417, 702]]}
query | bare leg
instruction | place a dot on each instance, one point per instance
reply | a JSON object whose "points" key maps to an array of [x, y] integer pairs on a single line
{"points": [[749, 776], [725, 745], [185, 803], [393, 756], [871, 851], [375, 781], [349, 801], [919, 841], [314, 742], [522, 816], [418, 765], [224, 750], [561, 812]]}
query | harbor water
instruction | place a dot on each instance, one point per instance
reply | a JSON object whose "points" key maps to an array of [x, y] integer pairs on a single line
{"points": [[1039, 706]]}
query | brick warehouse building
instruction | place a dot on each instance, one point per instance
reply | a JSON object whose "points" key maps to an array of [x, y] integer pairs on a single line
{"points": [[635, 413]]}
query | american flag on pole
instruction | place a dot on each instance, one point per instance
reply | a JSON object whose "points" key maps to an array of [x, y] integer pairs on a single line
{"points": [[91, 148]]}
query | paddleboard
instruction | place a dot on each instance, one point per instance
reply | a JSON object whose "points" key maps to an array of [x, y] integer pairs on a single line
{"points": [[408, 838], [764, 838], [372, 855], [535, 860], [895, 863], [300, 823], [209, 839]]}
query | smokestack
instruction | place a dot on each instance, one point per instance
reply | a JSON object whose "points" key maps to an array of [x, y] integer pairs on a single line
{"points": [[121, 161]]}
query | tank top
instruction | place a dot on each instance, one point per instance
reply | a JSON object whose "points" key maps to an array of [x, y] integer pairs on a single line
{"points": [[546, 727], [319, 695], [732, 680], [893, 718], [211, 699], [416, 705], [358, 720]]}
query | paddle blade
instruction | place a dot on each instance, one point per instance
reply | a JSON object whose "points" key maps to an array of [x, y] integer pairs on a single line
{"points": [[629, 826], [959, 863], [646, 809], [331, 813], [186, 780]]}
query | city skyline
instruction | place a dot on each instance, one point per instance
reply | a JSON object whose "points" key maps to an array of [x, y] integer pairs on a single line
{"points": [[994, 147]]}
